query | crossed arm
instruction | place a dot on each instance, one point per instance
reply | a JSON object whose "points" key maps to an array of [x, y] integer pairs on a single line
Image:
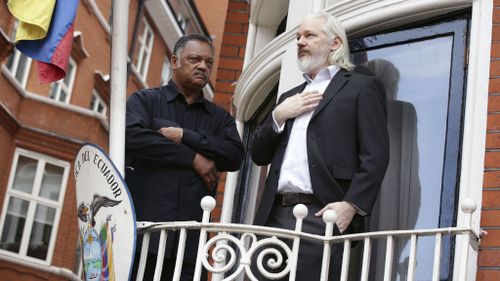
{"points": [[206, 152]]}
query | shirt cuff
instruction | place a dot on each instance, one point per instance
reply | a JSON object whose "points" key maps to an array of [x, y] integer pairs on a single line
{"points": [[358, 210], [278, 129], [191, 138]]}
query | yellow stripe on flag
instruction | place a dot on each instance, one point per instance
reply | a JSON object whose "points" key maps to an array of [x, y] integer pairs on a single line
{"points": [[34, 17]]}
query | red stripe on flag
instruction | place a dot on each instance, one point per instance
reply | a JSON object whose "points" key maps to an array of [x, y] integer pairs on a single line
{"points": [[56, 69]]}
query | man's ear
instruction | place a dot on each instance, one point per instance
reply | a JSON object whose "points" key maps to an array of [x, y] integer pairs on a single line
{"points": [[173, 61], [336, 44]]}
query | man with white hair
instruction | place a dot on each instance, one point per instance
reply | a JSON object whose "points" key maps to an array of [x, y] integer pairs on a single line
{"points": [[327, 143]]}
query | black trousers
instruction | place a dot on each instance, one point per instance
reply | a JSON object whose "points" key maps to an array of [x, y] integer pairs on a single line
{"points": [[310, 253], [167, 273]]}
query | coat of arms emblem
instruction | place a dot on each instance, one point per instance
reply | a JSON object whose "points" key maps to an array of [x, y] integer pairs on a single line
{"points": [[97, 245]]}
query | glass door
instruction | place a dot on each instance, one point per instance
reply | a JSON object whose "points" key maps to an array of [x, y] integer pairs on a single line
{"points": [[423, 72]]}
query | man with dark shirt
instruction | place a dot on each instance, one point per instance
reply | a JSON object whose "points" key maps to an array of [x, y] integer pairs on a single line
{"points": [[177, 142]]}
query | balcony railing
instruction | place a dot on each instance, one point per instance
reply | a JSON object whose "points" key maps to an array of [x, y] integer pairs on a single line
{"points": [[231, 248]]}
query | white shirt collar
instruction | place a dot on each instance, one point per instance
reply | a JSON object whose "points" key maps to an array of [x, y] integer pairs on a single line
{"points": [[326, 73]]}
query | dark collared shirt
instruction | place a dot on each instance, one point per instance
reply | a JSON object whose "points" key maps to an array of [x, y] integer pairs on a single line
{"points": [[159, 172]]}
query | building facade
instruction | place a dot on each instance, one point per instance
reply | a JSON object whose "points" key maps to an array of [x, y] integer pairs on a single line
{"points": [[42, 126], [438, 61]]}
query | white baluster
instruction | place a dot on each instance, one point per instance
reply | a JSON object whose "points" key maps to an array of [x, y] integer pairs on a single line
{"points": [[180, 254], [437, 257], [389, 254], [365, 268], [329, 217], [161, 255], [207, 204], [468, 206], [144, 256], [299, 212], [346, 258], [413, 255]]}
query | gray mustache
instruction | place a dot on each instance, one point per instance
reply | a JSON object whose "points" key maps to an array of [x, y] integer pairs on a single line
{"points": [[202, 74]]}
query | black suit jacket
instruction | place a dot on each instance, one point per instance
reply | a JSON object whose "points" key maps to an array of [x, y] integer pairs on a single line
{"points": [[347, 144]]}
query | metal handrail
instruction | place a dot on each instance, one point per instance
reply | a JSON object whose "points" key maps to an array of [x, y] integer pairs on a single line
{"points": [[224, 256], [290, 234]]}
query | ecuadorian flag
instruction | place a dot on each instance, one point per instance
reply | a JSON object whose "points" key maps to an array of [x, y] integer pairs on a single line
{"points": [[106, 236], [45, 33]]}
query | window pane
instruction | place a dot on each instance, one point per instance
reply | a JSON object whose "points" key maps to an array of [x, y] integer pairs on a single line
{"points": [[165, 72], [63, 95], [10, 60], [100, 108], [25, 174], [51, 182], [69, 74], [417, 114], [143, 65], [14, 224], [417, 107], [21, 68], [93, 102], [139, 48], [144, 45], [149, 37], [137, 54], [41, 231], [53, 91]]}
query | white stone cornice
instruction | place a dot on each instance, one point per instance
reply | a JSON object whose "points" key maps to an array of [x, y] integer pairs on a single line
{"points": [[263, 68], [268, 13], [359, 17], [363, 16]]}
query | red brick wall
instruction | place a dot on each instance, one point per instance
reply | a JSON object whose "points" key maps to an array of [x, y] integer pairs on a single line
{"points": [[5, 18], [489, 251], [213, 13], [13, 272], [230, 66], [67, 129], [6, 144]]}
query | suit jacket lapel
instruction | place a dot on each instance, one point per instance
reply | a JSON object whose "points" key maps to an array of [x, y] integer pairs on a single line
{"points": [[332, 90]]}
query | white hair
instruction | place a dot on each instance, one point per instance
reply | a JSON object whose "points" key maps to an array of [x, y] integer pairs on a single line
{"points": [[333, 28]]}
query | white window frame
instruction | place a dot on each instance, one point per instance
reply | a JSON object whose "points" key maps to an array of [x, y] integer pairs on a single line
{"points": [[61, 85], [166, 71], [15, 67], [98, 101], [34, 200], [144, 50], [16, 57], [182, 22]]}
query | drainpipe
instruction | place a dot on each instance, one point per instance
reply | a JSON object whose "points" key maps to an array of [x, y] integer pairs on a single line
{"points": [[119, 36]]}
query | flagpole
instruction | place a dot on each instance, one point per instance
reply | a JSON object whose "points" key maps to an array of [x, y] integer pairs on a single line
{"points": [[119, 42]]}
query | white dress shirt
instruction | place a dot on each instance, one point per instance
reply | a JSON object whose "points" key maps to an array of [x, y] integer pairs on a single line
{"points": [[294, 175]]}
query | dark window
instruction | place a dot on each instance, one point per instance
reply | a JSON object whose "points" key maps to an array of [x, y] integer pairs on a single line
{"points": [[423, 71], [242, 191]]}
